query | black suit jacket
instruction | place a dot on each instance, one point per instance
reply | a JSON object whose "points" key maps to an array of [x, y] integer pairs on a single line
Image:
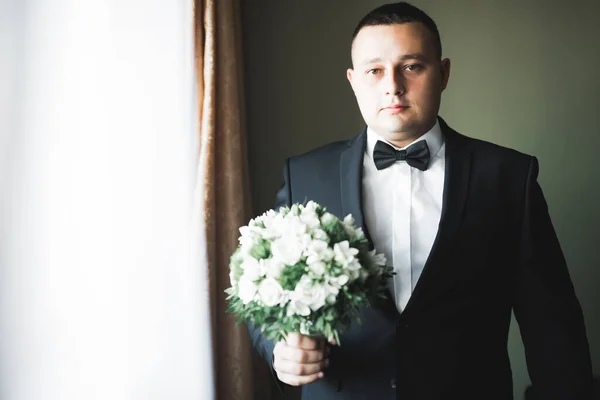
{"points": [[495, 252]]}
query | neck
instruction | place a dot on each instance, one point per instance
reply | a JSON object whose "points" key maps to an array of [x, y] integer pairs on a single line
{"points": [[400, 143], [403, 139]]}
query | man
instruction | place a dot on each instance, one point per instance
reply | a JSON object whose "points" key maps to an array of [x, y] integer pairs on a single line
{"points": [[464, 224]]}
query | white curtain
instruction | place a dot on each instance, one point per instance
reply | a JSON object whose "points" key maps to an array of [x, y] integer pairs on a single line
{"points": [[102, 288]]}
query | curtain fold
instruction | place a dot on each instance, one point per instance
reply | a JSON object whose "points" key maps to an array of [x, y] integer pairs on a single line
{"points": [[226, 202]]}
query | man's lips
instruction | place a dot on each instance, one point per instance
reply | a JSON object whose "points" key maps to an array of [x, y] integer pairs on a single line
{"points": [[395, 108]]}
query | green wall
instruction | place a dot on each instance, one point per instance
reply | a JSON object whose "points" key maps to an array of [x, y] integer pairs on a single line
{"points": [[525, 74]]}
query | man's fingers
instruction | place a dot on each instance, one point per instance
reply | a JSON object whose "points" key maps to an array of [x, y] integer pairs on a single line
{"points": [[303, 342], [298, 355], [294, 380], [292, 368]]}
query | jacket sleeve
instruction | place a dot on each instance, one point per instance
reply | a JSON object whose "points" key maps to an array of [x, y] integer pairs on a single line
{"points": [[262, 345], [546, 307]]}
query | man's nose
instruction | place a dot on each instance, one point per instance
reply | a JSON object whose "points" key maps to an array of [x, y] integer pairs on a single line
{"points": [[394, 83]]}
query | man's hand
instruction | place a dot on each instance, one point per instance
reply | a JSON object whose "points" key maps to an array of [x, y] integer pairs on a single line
{"points": [[300, 359]]}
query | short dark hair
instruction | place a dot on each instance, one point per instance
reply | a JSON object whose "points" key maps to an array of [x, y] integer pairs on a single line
{"points": [[400, 13]]}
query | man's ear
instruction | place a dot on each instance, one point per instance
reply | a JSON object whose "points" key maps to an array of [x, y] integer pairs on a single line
{"points": [[445, 72], [350, 75]]}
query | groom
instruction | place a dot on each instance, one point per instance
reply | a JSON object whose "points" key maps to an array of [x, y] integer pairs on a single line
{"points": [[464, 224]]}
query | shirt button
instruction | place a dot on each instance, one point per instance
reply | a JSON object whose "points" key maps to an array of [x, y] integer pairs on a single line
{"points": [[393, 383]]}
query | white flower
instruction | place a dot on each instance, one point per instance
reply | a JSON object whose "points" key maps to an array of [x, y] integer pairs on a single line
{"points": [[320, 234], [304, 330], [273, 268], [318, 251], [328, 218], [297, 307], [268, 216], [275, 227], [285, 297], [377, 260], [287, 249], [344, 254], [338, 281], [309, 217], [332, 293], [294, 209], [317, 268], [253, 270], [294, 226], [354, 265], [364, 274], [248, 239], [270, 292], [246, 290], [353, 274], [232, 278], [359, 233], [311, 206], [311, 294]]}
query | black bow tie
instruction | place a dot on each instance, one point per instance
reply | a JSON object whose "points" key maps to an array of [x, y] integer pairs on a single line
{"points": [[416, 155]]}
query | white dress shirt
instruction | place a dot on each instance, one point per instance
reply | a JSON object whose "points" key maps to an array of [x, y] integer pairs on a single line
{"points": [[402, 208]]}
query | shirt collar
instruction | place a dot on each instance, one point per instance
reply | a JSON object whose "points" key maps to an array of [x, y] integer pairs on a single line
{"points": [[434, 139]]}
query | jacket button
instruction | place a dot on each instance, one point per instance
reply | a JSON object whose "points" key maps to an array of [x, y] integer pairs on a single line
{"points": [[393, 383]]}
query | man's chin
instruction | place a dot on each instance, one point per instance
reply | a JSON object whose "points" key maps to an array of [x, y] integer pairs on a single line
{"points": [[399, 128]]}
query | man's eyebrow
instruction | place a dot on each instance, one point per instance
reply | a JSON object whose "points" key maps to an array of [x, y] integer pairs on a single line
{"points": [[406, 57]]}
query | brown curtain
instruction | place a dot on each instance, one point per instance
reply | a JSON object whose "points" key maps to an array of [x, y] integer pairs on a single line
{"points": [[239, 372]]}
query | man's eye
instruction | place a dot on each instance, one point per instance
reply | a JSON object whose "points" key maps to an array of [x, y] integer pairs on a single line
{"points": [[374, 71], [413, 67]]}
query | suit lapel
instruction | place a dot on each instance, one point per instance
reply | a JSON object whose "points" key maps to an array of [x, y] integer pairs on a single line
{"points": [[456, 185], [351, 171]]}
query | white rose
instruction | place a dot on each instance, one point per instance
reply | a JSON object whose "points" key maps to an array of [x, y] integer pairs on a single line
{"points": [[319, 296], [309, 293], [253, 270], [274, 268], [287, 249], [246, 290], [297, 307], [294, 226], [275, 227], [344, 254], [270, 292]]}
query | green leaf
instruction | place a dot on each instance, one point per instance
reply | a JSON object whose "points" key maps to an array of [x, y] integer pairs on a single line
{"points": [[291, 274]]}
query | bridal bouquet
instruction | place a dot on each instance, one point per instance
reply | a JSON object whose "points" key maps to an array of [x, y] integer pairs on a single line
{"points": [[302, 269]]}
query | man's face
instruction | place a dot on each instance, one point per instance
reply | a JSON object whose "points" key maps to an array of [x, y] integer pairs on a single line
{"points": [[398, 79]]}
